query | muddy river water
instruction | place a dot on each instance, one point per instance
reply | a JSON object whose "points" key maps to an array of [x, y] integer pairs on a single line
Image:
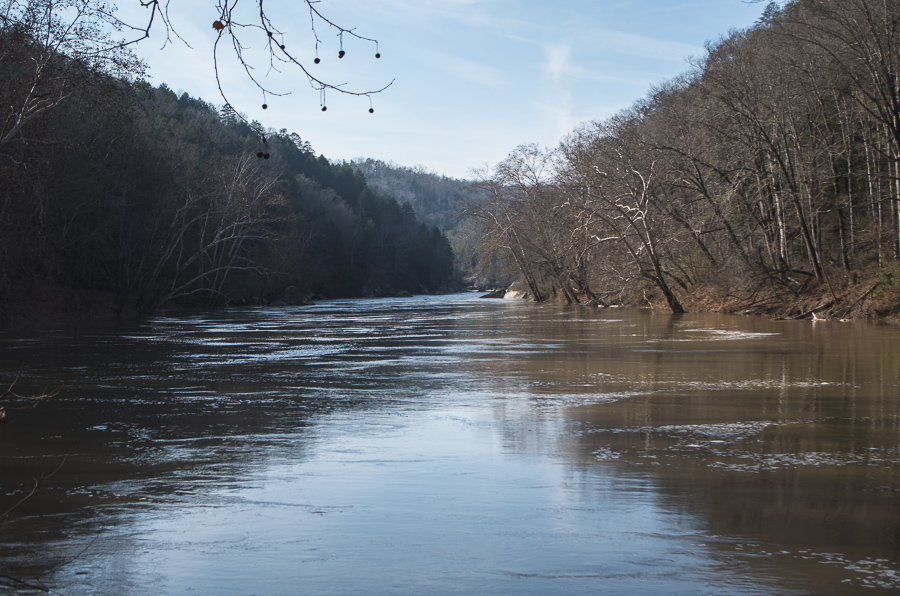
{"points": [[452, 445]]}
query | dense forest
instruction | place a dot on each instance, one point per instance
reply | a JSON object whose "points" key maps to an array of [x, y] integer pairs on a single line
{"points": [[767, 177], [136, 198]]}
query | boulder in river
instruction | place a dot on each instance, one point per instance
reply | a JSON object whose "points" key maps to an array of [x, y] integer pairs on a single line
{"points": [[500, 293]]}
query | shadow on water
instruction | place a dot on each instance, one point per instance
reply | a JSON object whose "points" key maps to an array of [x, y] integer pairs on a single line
{"points": [[452, 445]]}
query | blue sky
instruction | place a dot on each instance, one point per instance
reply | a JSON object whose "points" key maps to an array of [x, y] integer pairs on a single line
{"points": [[472, 78]]}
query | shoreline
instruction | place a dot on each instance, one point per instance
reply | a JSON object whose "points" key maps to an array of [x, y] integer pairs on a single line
{"points": [[846, 298]]}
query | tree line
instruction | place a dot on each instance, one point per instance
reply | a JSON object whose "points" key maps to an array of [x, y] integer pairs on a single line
{"points": [[114, 188], [769, 169]]}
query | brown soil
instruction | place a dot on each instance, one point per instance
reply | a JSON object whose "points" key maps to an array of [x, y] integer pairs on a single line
{"points": [[843, 296]]}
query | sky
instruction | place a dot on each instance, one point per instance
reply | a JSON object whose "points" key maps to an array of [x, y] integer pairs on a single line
{"points": [[472, 79]]}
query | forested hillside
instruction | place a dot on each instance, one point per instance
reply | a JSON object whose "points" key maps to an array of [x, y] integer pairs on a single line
{"points": [[436, 199], [440, 201], [767, 176], [115, 191]]}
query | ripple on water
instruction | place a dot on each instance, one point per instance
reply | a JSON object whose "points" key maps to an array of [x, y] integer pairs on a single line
{"points": [[759, 462]]}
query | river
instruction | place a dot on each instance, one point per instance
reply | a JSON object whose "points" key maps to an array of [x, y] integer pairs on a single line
{"points": [[452, 445]]}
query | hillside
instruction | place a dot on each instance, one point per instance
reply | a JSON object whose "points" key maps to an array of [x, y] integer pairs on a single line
{"points": [[125, 197]]}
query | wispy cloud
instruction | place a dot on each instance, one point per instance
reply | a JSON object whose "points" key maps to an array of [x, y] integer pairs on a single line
{"points": [[474, 13], [558, 78], [596, 42], [463, 69], [641, 46], [558, 60]]}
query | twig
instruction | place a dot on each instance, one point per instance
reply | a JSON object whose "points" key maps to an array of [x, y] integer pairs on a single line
{"points": [[37, 483], [9, 393], [41, 588]]}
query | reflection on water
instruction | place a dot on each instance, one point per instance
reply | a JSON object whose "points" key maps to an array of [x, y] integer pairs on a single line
{"points": [[450, 445]]}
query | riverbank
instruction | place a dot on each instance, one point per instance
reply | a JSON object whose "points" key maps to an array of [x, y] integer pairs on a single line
{"points": [[50, 304], [872, 295]]}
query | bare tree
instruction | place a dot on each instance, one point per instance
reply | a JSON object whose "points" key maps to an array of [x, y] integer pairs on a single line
{"points": [[696, 181], [859, 42], [516, 188], [47, 46], [57, 34], [613, 177], [774, 164], [211, 232]]}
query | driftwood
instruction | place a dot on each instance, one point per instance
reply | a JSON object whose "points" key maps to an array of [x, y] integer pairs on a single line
{"points": [[812, 312], [35, 399], [861, 298]]}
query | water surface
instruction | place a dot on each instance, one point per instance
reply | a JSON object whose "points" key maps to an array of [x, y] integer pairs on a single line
{"points": [[451, 445]]}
